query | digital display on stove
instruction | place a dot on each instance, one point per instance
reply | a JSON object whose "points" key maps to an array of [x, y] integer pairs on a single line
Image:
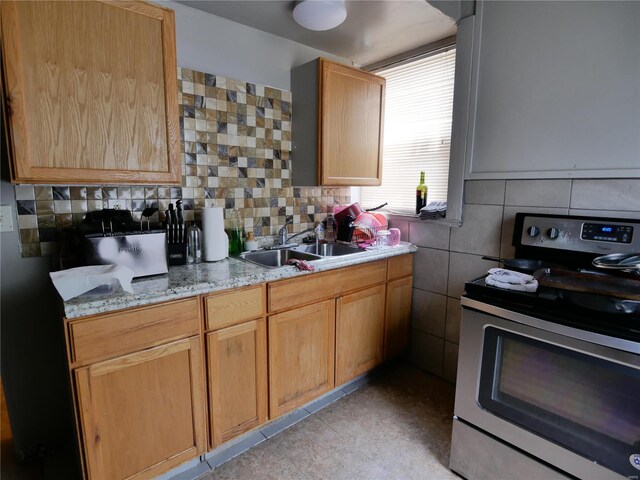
{"points": [[602, 232]]}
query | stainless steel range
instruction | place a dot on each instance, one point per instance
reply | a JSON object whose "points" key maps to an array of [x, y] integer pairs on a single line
{"points": [[548, 383]]}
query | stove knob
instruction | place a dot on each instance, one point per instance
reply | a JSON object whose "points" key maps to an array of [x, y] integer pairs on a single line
{"points": [[533, 231], [553, 233]]}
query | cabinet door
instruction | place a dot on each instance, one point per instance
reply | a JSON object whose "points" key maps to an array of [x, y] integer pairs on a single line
{"points": [[237, 358], [359, 332], [396, 329], [144, 413], [301, 355], [351, 117], [92, 92]]}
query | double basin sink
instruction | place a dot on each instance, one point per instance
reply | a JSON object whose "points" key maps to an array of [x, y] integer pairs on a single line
{"points": [[279, 257]]}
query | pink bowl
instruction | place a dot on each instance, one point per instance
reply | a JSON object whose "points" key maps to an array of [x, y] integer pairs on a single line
{"points": [[354, 210]]}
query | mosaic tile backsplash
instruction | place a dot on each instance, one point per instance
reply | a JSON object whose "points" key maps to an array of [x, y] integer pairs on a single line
{"points": [[236, 145]]}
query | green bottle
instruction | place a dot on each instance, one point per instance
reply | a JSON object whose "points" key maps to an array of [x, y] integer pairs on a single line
{"points": [[235, 234], [421, 194]]}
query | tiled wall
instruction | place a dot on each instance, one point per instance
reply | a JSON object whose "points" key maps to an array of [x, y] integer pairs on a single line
{"points": [[236, 144], [447, 257]]}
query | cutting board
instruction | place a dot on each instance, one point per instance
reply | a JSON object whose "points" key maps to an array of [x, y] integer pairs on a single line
{"points": [[624, 288]]}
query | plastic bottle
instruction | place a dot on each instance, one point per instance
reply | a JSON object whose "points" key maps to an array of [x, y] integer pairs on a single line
{"points": [[194, 244]]}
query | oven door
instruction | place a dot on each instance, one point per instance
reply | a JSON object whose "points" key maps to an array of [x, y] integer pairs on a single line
{"points": [[571, 403]]}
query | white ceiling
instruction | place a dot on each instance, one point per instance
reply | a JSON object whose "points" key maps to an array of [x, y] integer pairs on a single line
{"points": [[373, 30]]}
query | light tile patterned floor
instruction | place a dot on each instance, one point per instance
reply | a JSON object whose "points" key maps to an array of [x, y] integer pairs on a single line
{"points": [[397, 427]]}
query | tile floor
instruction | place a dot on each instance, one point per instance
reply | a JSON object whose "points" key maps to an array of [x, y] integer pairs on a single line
{"points": [[396, 427]]}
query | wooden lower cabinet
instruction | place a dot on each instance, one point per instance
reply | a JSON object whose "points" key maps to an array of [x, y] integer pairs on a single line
{"points": [[142, 408], [143, 413], [237, 361], [398, 313], [359, 332], [301, 355]]}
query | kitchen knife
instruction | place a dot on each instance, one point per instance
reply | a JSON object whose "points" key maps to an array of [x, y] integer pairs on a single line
{"points": [[174, 224], [180, 222], [167, 218]]}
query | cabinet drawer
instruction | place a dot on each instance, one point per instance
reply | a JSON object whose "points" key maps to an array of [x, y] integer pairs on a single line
{"points": [[234, 306], [109, 335], [301, 291], [400, 266]]}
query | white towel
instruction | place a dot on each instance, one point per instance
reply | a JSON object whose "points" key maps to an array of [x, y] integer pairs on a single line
{"points": [[509, 276], [527, 287]]}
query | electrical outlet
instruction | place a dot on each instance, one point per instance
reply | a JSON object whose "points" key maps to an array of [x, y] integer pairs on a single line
{"points": [[6, 218]]}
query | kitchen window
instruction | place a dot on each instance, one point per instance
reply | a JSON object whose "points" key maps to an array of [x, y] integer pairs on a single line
{"points": [[417, 130]]}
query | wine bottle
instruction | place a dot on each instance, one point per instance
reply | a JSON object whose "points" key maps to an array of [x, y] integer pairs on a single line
{"points": [[421, 194]]}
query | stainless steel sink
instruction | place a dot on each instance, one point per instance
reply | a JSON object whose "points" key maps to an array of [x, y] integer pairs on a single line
{"points": [[330, 249], [277, 258]]}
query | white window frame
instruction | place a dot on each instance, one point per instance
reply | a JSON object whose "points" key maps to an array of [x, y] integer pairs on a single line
{"points": [[467, 46], [417, 134]]}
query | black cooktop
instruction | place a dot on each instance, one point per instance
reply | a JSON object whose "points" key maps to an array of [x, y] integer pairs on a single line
{"points": [[548, 304]]}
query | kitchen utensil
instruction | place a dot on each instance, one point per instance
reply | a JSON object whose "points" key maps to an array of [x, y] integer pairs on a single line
{"points": [[601, 303], [589, 282], [523, 265], [593, 290], [180, 221], [167, 219], [346, 228], [628, 262], [377, 208], [174, 224]]}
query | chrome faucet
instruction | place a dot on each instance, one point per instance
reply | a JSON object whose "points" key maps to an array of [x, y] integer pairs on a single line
{"points": [[296, 234], [282, 233]]}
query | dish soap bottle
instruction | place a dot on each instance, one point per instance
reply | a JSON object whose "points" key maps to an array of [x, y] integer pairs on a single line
{"points": [[251, 243], [421, 194], [319, 233], [235, 233]]}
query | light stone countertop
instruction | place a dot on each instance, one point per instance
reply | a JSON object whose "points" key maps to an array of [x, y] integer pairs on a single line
{"points": [[190, 280]]}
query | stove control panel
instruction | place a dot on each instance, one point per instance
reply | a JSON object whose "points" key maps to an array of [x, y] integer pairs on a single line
{"points": [[579, 234], [604, 232]]}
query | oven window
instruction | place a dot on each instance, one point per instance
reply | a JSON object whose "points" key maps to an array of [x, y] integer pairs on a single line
{"points": [[585, 403]]}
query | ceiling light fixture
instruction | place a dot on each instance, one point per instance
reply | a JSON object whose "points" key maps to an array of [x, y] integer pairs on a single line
{"points": [[320, 14]]}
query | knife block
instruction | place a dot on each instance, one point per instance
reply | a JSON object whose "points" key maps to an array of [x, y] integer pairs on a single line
{"points": [[177, 253]]}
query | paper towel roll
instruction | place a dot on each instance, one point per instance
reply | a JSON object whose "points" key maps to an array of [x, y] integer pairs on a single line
{"points": [[215, 241]]}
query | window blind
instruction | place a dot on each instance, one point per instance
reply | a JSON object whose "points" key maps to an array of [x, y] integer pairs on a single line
{"points": [[417, 132]]}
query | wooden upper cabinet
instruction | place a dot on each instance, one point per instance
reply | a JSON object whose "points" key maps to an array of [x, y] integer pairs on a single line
{"points": [[91, 91], [337, 134], [351, 113]]}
